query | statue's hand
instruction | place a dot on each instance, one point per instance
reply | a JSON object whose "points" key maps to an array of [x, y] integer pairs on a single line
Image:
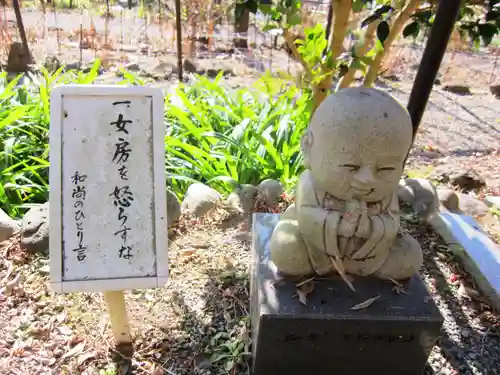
{"points": [[350, 218], [364, 225]]}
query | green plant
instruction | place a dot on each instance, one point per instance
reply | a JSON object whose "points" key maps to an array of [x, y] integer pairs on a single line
{"points": [[224, 138], [231, 348], [214, 135], [24, 134], [325, 62]]}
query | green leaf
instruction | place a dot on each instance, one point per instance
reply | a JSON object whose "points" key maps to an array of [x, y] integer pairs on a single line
{"points": [[269, 27], [411, 29], [252, 6], [487, 31], [368, 20], [383, 30], [294, 19], [358, 6]]}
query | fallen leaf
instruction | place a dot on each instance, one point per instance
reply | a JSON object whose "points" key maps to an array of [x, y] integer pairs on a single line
{"points": [[304, 290], [305, 282], [398, 287], [84, 357], [74, 351], [367, 303], [468, 292]]}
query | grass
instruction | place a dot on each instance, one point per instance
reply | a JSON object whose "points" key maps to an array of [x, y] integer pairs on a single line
{"points": [[216, 136]]}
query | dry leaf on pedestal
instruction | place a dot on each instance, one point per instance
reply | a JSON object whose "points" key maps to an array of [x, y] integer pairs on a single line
{"points": [[367, 303], [303, 289]]}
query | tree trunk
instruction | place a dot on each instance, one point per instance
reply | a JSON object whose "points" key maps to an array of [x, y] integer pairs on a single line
{"points": [[241, 27]]}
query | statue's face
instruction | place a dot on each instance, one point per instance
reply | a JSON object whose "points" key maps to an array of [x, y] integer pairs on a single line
{"points": [[357, 172], [357, 150]]}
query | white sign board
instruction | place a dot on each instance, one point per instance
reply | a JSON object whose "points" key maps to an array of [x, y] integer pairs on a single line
{"points": [[108, 225]]}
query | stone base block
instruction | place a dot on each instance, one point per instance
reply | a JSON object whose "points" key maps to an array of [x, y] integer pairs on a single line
{"points": [[392, 336]]}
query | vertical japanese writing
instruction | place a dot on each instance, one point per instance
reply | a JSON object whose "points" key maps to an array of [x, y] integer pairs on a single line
{"points": [[79, 195], [122, 195]]}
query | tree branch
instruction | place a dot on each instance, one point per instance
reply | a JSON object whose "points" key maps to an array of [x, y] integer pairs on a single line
{"points": [[396, 28], [291, 44]]}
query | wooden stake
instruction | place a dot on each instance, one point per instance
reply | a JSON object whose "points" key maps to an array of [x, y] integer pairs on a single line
{"points": [[178, 26], [118, 316], [20, 26]]}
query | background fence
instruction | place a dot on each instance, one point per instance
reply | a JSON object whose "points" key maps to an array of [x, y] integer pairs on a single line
{"points": [[117, 35]]}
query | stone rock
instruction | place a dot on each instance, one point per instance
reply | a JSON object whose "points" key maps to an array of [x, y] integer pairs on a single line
{"points": [[270, 191], [199, 199], [163, 69], [19, 59], [243, 198], [495, 90], [189, 66], [8, 226], [466, 180], [35, 229], [458, 89], [449, 199], [133, 67], [472, 206], [73, 66], [173, 208], [52, 63], [421, 194]]}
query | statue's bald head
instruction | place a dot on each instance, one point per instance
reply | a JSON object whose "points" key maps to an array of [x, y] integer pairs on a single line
{"points": [[357, 126]]}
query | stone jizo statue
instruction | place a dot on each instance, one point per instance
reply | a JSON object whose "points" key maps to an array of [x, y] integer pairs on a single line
{"points": [[345, 217]]}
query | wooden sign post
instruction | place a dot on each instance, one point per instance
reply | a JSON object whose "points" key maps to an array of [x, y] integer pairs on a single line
{"points": [[108, 224]]}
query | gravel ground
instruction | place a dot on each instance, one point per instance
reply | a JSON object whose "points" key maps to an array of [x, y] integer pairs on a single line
{"points": [[470, 335]]}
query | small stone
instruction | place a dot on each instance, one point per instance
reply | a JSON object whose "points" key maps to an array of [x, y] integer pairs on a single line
{"points": [[163, 69], [199, 199], [189, 66], [7, 226], [72, 66], [243, 197], [448, 198], [472, 206], [464, 179], [422, 195], [495, 90], [133, 67], [35, 229], [173, 208], [270, 191], [458, 89]]}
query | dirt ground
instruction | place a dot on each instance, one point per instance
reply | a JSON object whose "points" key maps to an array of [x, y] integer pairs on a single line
{"points": [[199, 323]]}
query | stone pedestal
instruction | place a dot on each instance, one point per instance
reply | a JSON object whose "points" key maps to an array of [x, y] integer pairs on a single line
{"points": [[393, 336]]}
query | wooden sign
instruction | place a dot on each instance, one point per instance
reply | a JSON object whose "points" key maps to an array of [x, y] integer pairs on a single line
{"points": [[108, 225]]}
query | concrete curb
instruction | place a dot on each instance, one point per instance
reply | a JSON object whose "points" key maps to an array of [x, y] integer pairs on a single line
{"points": [[480, 255]]}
